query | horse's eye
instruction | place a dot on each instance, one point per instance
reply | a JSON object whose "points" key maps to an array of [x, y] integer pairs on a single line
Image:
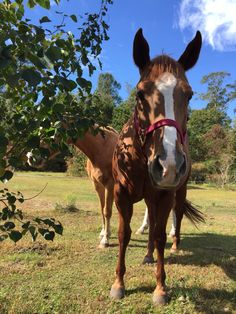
{"points": [[190, 96], [140, 95]]}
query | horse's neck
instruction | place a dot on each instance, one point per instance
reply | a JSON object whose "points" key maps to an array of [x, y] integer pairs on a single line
{"points": [[89, 145]]}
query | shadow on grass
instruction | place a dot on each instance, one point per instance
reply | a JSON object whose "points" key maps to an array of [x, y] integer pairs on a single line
{"points": [[205, 301], [209, 301], [207, 249], [140, 289], [194, 187], [204, 249]]}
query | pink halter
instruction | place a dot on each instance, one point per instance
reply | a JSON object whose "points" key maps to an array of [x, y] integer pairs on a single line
{"points": [[164, 122]]}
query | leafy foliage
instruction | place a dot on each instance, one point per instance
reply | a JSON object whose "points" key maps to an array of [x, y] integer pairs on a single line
{"points": [[123, 112], [37, 62], [14, 224], [211, 135], [76, 163]]}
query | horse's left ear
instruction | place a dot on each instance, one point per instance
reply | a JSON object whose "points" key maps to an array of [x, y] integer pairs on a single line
{"points": [[191, 53]]}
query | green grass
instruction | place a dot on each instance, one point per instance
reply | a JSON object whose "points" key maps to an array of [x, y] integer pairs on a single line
{"points": [[71, 275]]}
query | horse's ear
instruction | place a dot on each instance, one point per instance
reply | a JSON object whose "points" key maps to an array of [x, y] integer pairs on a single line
{"points": [[140, 50], [191, 53]]}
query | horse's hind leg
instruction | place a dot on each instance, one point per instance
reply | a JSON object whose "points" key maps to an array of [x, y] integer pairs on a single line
{"points": [[107, 212], [101, 195], [149, 259], [145, 223], [178, 213]]}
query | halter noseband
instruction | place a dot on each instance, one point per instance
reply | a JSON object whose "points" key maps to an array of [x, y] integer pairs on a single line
{"points": [[142, 133]]}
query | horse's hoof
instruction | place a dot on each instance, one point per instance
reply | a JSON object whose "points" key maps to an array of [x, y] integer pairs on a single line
{"points": [[140, 231], [159, 299], [117, 293], [103, 245], [174, 251], [148, 260]]}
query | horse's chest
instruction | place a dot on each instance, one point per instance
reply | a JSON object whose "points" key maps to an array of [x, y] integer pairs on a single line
{"points": [[130, 170]]}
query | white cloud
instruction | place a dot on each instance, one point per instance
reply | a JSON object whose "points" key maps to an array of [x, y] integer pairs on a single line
{"points": [[216, 19]]}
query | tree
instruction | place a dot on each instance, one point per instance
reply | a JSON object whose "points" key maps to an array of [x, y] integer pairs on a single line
{"points": [[202, 121], [219, 94], [124, 111], [210, 131], [36, 63], [106, 96]]}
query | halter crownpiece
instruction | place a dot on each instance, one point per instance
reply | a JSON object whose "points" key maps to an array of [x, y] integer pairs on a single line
{"points": [[142, 133]]}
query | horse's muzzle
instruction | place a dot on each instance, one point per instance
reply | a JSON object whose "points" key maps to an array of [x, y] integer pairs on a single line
{"points": [[167, 173]]}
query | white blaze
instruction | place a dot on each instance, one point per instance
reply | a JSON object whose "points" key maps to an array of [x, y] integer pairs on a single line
{"points": [[166, 84]]}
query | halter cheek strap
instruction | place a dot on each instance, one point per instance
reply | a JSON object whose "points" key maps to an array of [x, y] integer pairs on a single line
{"points": [[164, 122]]}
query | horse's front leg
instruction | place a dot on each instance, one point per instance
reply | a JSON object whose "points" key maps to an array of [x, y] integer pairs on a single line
{"points": [[164, 206], [125, 210]]}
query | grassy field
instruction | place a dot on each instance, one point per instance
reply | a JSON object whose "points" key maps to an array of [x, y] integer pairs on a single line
{"points": [[71, 275]]}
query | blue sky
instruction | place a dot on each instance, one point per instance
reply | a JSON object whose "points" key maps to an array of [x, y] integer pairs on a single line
{"points": [[168, 26]]}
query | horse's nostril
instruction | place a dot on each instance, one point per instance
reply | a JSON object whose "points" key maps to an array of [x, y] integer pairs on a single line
{"points": [[183, 167], [158, 165]]}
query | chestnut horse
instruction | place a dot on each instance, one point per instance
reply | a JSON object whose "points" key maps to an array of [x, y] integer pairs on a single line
{"points": [[99, 149], [151, 160]]}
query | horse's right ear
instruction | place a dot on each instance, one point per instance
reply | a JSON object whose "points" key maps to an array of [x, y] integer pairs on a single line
{"points": [[191, 53], [140, 50]]}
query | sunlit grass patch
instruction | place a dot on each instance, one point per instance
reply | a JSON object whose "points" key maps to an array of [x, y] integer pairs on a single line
{"points": [[71, 275]]}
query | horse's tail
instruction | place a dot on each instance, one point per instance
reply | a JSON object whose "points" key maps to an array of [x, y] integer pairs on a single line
{"points": [[192, 213]]}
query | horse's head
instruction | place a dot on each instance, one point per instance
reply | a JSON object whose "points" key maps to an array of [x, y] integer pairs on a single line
{"points": [[40, 157], [161, 111]]}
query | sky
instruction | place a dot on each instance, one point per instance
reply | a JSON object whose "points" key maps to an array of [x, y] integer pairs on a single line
{"points": [[168, 26]]}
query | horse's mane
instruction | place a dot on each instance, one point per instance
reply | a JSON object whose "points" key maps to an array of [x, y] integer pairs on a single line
{"points": [[106, 128]]}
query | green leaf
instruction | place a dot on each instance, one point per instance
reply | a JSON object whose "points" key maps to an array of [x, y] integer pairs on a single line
{"points": [[74, 18], [7, 176], [31, 3], [15, 235], [44, 3], [49, 235], [11, 199], [3, 140], [32, 76], [58, 228], [4, 63], [33, 142], [42, 231], [68, 85], [12, 80], [33, 232], [84, 83], [58, 107], [48, 221], [9, 225], [53, 53], [3, 237], [37, 61], [26, 225], [44, 19]]}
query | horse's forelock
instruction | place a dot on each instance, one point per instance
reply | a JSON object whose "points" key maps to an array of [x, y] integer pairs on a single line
{"points": [[161, 64]]}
